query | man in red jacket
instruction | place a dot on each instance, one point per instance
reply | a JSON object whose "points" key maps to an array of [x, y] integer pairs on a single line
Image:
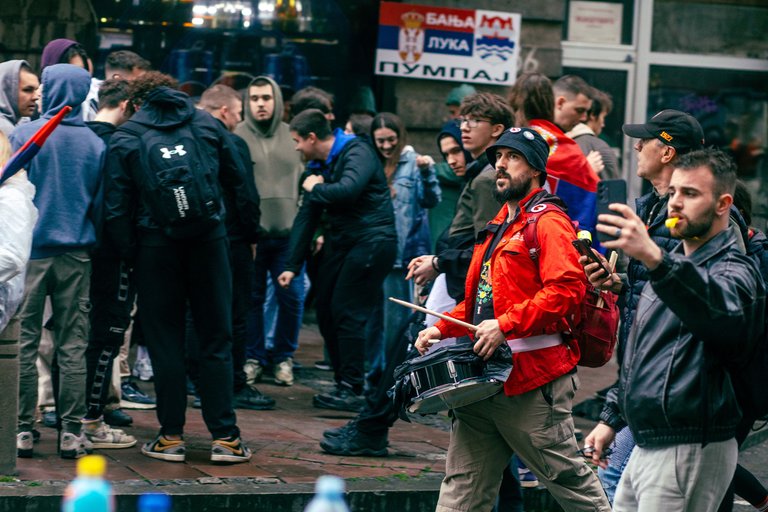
{"points": [[520, 298]]}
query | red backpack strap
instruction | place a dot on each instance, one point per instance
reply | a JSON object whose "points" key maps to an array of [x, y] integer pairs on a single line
{"points": [[530, 234]]}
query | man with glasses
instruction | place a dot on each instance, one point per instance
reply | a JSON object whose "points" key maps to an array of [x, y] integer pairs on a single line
{"points": [[661, 141], [483, 118]]}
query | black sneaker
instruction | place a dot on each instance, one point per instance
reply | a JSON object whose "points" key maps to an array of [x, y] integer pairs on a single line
{"points": [[323, 365], [340, 399], [250, 398], [117, 418], [356, 443], [341, 431], [171, 450]]}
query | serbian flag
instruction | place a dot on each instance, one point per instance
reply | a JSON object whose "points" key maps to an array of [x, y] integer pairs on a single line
{"points": [[569, 176], [30, 148]]}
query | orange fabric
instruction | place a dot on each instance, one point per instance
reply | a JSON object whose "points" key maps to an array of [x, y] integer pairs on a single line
{"points": [[530, 297]]}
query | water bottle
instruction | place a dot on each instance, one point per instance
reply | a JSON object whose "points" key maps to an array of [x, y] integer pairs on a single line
{"points": [[89, 492], [329, 495], [154, 502]]}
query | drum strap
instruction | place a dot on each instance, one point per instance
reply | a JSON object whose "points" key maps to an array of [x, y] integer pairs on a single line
{"points": [[535, 342]]}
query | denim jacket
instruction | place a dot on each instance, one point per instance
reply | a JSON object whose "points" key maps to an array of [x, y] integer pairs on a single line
{"points": [[414, 191]]}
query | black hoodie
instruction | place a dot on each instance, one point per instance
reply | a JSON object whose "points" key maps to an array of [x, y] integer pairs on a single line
{"points": [[127, 215]]}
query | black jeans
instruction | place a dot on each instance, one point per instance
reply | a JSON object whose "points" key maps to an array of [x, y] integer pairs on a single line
{"points": [[349, 282], [167, 278], [112, 296]]}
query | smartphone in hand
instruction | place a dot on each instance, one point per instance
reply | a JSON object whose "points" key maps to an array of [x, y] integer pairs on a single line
{"points": [[585, 249], [609, 191]]}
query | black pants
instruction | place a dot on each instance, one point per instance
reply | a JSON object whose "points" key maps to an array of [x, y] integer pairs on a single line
{"points": [[167, 277], [744, 482], [349, 282], [112, 296], [241, 263]]}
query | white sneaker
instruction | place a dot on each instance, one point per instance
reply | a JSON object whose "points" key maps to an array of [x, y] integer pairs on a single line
{"points": [[74, 446], [103, 436], [284, 373], [24, 441], [142, 367], [253, 371]]}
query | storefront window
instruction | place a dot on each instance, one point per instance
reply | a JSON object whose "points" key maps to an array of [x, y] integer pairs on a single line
{"points": [[732, 107], [732, 28]]}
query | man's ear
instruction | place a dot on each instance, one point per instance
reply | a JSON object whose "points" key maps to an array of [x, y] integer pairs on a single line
{"points": [[312, 138], [497, 130], [668, 154], [559, 101], [723, 204]]}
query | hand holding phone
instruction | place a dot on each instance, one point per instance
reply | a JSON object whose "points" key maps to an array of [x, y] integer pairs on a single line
{"points": [[609, 191], [585, 249]]}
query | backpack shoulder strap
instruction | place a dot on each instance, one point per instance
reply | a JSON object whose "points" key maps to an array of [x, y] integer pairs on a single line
{"points": [[530, 234], [134, 128]]}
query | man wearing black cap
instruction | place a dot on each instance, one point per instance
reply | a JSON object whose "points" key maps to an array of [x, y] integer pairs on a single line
{"points": [[523, 281], [661, 141]]}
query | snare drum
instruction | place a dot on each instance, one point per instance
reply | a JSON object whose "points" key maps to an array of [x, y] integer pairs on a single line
{"points": [[449, 377]]}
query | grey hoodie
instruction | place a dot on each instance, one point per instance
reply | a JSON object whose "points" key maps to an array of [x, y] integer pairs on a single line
{"points": [[277, 165], [9, 94]]}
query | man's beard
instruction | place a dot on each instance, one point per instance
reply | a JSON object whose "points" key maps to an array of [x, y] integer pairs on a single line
{"points": [[515, 191], [699, 228]]}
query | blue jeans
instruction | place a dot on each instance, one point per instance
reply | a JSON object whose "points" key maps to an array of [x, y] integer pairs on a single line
{"points": [[271, 255]]}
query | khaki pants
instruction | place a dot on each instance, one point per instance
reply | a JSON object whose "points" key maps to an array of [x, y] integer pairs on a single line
{"points": [[66, 279], [681, 477], [538, 427]]}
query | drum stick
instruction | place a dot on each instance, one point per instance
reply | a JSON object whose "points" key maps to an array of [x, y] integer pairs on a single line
{"points": [[447, 318], [611, 266]]}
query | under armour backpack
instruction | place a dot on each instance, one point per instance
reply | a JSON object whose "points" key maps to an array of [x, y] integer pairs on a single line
{"points": [[177, 183]]}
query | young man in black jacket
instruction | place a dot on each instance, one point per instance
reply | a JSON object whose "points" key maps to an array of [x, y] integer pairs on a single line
{"points": [[702, 308], [173, 273], [360, 245]]}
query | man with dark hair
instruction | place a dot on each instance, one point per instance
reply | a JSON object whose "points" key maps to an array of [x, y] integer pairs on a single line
{"points": [[19, 93], [226, 105], [701, 310], [350, 189], [572, 101], [276, 169], [112, 297], [312, 97], [484, 116], [178, 271], [125, 64], [586, 134], [522, 301]]}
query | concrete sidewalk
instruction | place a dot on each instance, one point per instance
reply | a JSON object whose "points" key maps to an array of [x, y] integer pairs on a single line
{"points": [[287, 458]]}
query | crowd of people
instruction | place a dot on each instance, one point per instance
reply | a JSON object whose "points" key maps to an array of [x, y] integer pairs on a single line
{"points": [[198, 228]]}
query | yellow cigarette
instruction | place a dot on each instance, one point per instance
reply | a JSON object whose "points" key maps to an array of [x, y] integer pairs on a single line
{"points": [[671, 222]]}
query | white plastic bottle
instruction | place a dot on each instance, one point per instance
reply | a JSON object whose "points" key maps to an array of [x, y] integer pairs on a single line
{"points": [[89, 492], [329, 495]]}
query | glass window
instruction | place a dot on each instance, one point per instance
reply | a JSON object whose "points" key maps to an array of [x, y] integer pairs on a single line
{"points": [[733, 28], [732, 107]]}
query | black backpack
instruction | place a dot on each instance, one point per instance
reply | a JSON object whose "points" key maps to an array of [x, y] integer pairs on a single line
{"points": [[176, 180]]}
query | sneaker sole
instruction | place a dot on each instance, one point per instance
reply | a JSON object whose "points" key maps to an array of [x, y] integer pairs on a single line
{"points": [[219, 457], [528, 484], [365, 452], [168, 457], [125, 404], [74, 454], [280, 382], [253, 407], [108, 446]]}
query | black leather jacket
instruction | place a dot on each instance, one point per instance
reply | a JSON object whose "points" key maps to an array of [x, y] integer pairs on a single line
{"points": [[695, 315]]}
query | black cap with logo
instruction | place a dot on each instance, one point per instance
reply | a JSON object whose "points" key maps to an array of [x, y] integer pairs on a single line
{"points": [[672, 127]]}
